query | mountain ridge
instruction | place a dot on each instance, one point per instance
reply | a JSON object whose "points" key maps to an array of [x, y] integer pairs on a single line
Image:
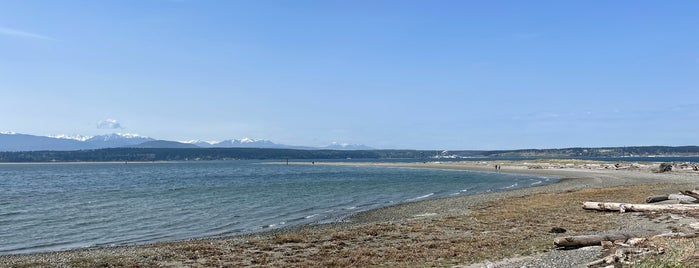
{"points": [[11, 141]]}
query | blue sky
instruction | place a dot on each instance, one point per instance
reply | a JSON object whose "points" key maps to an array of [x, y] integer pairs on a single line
{"points": [[388, 74]]}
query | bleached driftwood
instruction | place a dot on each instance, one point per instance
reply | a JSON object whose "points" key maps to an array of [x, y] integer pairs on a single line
{"points": [[619, 239], [621, 255], [686, 197], [624, 252], [692, 194], [683, 198], [624, 207], [580, 241]]}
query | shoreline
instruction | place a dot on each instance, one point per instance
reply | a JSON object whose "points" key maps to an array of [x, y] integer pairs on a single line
{"points": [[568, 179], [571, 179], [344, 219]]}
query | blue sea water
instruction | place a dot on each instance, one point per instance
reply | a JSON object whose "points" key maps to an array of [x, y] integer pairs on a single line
{"points": [[47, 207]]}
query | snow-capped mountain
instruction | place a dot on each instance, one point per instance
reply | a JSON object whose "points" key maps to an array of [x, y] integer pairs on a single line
{"points": [[200, 143], [164, 144], [108, 140], [10, 141], [71, 137], [117, 140], [235, 143], [247, 143], [347, 146]]}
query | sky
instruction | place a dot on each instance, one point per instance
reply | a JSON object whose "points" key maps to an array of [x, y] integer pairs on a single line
{"points": [[387, 74]]}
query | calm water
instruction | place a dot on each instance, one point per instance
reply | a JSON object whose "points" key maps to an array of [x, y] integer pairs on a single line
{"points": [[45, 207]]}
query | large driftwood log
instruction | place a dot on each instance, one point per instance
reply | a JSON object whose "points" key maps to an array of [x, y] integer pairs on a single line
{"points": [[623, 207], [579, 241]]}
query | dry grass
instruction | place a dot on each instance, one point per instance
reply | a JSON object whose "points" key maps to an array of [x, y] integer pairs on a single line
{"points": [[678, 253]]}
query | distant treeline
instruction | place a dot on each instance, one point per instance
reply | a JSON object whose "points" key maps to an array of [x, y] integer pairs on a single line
{"points": [[599, 152], [193, 154]]}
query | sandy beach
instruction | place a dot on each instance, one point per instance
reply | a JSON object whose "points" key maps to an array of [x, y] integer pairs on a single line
{"points": [[501, 229]]}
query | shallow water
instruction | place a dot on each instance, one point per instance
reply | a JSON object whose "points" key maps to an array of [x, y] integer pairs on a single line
{"points": [[46, 207]]}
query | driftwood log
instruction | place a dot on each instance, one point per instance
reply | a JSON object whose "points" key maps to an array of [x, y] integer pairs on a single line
{"points": [[686, 197], [656, 198], [579, 241], [693, 194], [624, 207], [621, 255], [683, 198]]}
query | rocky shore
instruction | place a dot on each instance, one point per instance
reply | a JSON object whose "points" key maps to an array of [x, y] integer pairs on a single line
{"points": [[502, 229]]}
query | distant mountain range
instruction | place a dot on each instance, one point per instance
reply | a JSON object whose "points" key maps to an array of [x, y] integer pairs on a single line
{"points": [[24, 142], [254, 143]]}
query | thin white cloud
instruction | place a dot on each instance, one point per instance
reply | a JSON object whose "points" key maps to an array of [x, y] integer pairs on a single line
{"points": [[22, 34], [109, 124]]}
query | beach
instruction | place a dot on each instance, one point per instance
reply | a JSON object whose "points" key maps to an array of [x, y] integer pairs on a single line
{"points": [[504, 229]]}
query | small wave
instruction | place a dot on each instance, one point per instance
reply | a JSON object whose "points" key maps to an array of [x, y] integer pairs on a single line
{"points": [[421, 197], [536, 182], [177, 189], [224, 227], [512, 186], [310, 216], [41, 247], [269, 226], [12, 213], [350, 208]]}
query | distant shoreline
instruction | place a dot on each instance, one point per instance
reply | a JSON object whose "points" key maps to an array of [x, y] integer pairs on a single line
{"points": [[231, 153], [386, 161], [86, 163]]}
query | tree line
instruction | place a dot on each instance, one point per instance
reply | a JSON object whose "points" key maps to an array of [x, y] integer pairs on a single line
{"points": [[194, 154]]}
